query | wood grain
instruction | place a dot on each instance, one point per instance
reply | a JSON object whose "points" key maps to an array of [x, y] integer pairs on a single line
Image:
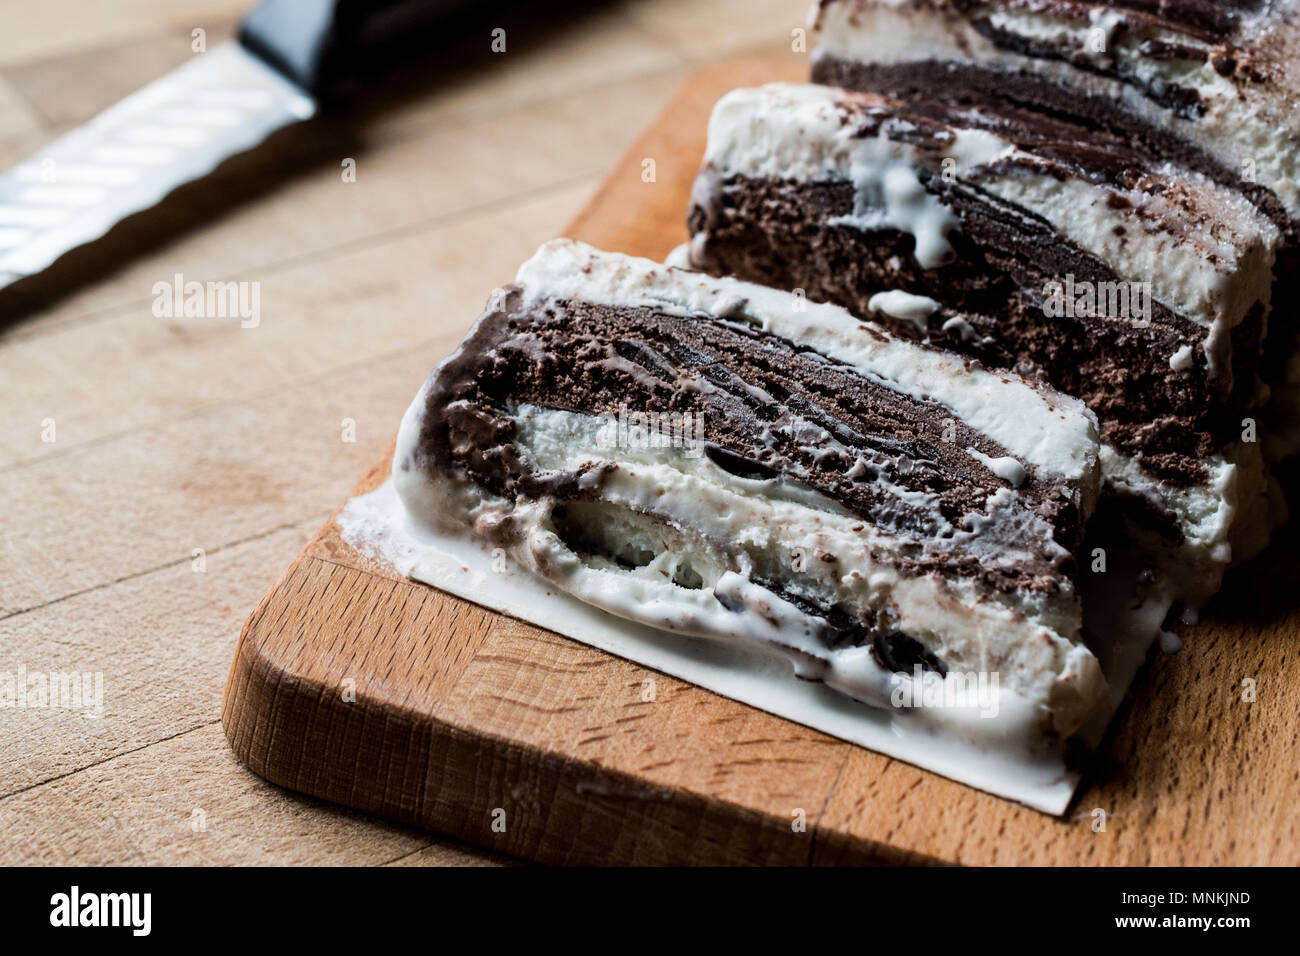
{"points": [[463, 717], [177, 435], [174, 436]]}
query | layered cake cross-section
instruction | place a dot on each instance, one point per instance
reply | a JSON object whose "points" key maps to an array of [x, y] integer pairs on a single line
{"points": [[732, 462], [1034, 245], [1214, 84]]}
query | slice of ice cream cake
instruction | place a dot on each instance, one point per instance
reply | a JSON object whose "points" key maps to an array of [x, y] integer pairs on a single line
{"points": [[1031, 244], [1213, 84], [728, 461]]}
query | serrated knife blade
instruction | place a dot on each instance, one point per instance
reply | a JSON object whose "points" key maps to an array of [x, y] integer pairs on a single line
{"points": [[129, 157]]}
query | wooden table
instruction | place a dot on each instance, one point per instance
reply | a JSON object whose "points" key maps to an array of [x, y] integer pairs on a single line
{"points": [[192, 459]]}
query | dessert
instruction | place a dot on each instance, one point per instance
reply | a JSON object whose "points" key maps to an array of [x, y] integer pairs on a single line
{"points": [[732, 462], [1213, 85], [1039, 260], [1038, 246]]}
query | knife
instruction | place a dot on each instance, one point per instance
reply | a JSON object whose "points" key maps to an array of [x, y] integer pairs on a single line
{"points": [[291, 58]]}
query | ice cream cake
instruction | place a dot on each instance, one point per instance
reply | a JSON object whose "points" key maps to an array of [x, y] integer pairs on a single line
{"points": [[1035, 245], [739, 464]]}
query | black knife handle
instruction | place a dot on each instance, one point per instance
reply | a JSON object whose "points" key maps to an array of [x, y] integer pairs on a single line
{"points": [[327, 47]]}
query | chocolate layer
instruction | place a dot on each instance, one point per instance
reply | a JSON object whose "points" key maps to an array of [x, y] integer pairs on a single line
{"points": [[768, 407], [992, 291], [1039, 109], [1104, 122]]}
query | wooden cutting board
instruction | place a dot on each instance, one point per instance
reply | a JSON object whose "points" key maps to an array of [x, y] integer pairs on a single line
{"points": [[355, 685]]}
